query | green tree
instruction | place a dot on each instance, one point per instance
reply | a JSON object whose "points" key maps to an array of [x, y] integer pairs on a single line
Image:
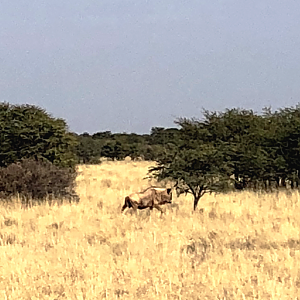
{"points": [[119, 151], [243, 134], [163, 136], [114, 150], [283, 142], [27, 131], [197, 167], [108, 150], [88, 150], [102, 135]]}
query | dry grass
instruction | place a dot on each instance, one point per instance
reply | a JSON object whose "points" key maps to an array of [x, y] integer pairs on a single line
{"points": [[243, 245]]}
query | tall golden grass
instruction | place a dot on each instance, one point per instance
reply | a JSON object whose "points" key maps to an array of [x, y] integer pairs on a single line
{"points": [[242, 246]]}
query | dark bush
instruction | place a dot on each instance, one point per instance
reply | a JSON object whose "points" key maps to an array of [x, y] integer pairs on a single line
{"points": [[37, 180]]}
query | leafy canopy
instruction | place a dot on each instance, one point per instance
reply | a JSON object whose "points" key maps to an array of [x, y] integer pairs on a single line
{"points": [[27, 131]]}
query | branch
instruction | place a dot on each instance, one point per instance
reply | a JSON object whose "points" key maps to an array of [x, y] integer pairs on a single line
{"points": [[203, 193], [192, 190]]}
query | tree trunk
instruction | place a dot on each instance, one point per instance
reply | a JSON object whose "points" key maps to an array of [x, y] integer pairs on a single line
{"points": [[283, 182], [277, 179], [196, 200], [292, 184], [267, 185]]}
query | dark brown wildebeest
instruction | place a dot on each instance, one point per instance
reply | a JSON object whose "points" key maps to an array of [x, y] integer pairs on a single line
{"points": [[152, 197]]}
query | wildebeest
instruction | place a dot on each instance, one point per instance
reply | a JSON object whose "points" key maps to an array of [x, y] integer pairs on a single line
{"points": [[151, 197]]}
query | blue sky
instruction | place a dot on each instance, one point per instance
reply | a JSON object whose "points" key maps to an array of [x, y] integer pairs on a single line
{"points": [[127, 66]]}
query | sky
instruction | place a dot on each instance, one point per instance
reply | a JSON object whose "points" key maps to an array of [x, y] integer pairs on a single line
{"points": [[130, 65]]}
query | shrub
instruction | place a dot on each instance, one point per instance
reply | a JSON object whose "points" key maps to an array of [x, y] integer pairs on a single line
{"points": [[37, 180]]}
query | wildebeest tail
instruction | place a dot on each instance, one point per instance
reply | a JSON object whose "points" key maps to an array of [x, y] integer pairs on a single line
{"points": [[127, 203]]}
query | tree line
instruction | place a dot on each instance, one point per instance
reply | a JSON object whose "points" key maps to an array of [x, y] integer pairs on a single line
{"points": [[232, 149], [117, 146]]}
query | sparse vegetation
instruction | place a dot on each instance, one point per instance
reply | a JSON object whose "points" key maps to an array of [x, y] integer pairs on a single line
{"points": [[241, 245]]}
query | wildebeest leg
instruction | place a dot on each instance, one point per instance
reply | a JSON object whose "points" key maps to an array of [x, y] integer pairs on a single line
{"points": [[135, 207], [124, 206], [158, 208]]}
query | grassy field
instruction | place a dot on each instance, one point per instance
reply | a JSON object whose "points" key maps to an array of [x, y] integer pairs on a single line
{"points": [[243, 245]]}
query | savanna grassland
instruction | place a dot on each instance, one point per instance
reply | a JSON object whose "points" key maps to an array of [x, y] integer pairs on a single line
{"points": [[241, 246]]}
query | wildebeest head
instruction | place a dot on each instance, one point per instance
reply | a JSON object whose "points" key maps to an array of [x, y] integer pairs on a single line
{"points": [[169, 193], [164, 195]]}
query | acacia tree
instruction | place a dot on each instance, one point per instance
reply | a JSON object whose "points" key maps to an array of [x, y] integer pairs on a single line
{"points": [[197, 167]]}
